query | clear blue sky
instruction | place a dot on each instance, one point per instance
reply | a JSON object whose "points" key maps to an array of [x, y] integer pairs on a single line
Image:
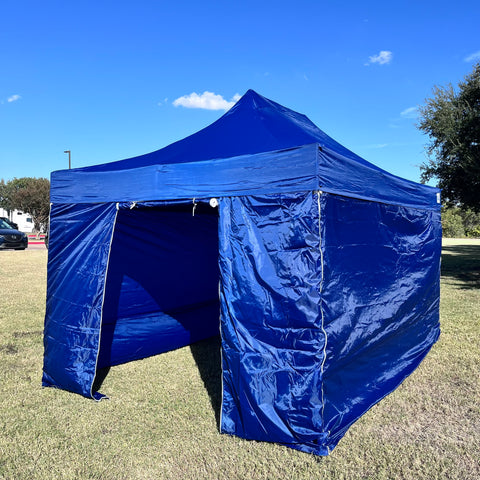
{"points": [[100, 78]]}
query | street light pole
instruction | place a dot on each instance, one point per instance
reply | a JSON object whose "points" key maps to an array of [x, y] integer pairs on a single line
{"points": [[69, 158]]}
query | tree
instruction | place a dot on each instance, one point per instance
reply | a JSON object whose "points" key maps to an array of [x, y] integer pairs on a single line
{"points": [[30, 195], [452, 120], [460, 222], [471, 223], [5, 195], [452, 225]]}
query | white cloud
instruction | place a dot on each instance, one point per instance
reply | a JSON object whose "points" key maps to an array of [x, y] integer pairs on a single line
{"points": [[410, 112], [206, 100], [382, 58], [13, 98], [472, 57]]}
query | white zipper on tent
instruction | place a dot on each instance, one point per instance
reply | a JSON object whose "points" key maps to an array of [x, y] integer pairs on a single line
{"points": [[221, 354], [103, 299], [319, 193], [220, 324]]}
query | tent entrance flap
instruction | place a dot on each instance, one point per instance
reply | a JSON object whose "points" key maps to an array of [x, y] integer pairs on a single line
{"points": [[162, 284]]}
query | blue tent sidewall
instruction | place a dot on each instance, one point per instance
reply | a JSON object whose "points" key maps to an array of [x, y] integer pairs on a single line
{"points": [[272, 338], [80, 239]]}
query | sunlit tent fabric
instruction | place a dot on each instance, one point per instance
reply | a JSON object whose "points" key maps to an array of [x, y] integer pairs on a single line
{"points": [[319, 270]]}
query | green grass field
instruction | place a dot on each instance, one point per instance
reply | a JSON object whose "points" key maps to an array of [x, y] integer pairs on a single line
{"points": [[161, 419]]}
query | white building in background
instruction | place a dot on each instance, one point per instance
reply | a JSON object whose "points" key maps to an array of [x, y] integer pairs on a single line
{"points": [[23, 220]]}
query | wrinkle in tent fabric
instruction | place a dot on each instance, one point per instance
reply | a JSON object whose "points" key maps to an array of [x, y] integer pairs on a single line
{"points": [[273, 343], [319, 269]]}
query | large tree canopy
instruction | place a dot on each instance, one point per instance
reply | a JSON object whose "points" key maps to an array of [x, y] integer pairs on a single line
{"points": [[452, 120], [30, 195]]}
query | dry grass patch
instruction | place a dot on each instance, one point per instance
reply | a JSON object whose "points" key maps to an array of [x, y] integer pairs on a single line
{"points": [[161, 420]]}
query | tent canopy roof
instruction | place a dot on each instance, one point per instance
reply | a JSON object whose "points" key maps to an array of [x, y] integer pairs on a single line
{"points": [[257, 147], [254, 124]]}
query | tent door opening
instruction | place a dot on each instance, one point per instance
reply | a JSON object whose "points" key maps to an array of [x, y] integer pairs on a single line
{"points": [[161, 291]]}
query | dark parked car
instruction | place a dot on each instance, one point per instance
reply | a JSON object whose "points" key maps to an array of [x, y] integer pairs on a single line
{"points": [[11, 238], [12, 224]]}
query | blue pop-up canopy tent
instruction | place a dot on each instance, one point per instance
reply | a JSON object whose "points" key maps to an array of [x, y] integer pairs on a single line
{"points": [[320, 270]]}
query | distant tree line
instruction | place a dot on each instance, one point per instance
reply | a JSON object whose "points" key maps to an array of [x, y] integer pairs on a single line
{"points": [[460, 222], [30, 195]]}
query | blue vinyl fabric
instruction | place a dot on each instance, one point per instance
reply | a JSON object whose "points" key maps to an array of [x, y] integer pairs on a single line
{"points": [[166, 295], [327, 304], [380, 301], [273, 343], [254, 124], [320, 270], [77, 265]]}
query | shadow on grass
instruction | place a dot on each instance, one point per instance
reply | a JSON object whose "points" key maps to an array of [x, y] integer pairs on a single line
{"points": [[461, 263], [100, 378], [206, 354]]}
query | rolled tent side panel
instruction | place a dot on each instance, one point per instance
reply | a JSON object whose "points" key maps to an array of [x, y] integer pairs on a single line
{"points": [[271, 324], [380, 300], [80, 237]]}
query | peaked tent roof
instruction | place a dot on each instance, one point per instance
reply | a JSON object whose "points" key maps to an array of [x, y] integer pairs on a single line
{"points": [[257, 147], [254, 124]]}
